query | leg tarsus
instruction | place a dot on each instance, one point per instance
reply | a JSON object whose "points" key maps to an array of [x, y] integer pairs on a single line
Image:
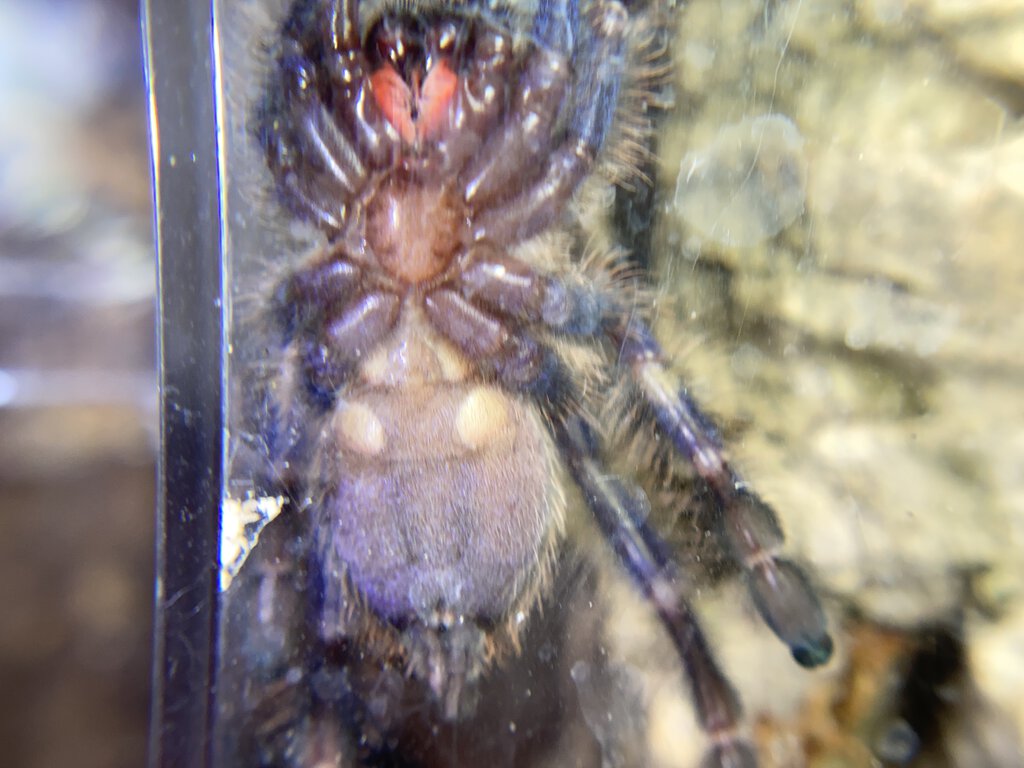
{"points": [[786, 602]]}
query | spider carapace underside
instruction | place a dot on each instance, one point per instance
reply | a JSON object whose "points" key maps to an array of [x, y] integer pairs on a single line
{"points": [[428, 405]]}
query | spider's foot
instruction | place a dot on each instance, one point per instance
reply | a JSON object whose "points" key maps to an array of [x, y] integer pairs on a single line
{"points": [[789, 606]]}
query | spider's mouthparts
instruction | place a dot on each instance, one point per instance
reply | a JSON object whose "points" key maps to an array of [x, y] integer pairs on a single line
{"points": [[418, 111]]}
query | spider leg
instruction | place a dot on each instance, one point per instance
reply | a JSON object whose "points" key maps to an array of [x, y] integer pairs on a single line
{"points": [[565, 304], [478, 102], [326, 309], [621, 512], [307, 150], [515, 154], [375, 139], [307, 294], [290, 391], [526, 133], [516, 359], [269, 713], [344, 339], [345, 24], [781, 591], [330, 319], [320, 147], [294, 691]]}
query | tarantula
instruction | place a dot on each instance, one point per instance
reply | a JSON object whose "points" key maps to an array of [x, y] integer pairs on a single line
{"points": [[430, 415]]}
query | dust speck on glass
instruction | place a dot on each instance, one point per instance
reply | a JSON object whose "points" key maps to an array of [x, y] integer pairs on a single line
{"points": [[459, 457]]}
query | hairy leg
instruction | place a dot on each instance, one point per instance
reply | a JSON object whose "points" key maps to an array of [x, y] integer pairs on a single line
{"points": [[567, 304]]}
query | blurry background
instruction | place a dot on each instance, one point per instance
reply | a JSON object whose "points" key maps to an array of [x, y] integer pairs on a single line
{"points": [[77, 386]]}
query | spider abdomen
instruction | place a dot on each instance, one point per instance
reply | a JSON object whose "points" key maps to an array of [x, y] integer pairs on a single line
{"points": [[437, 494]]}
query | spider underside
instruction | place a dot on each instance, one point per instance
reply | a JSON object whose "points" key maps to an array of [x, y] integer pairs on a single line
{"points": [[431, 414]]}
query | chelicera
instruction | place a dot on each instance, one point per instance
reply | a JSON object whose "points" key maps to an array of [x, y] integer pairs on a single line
{"points": [[430, 417]]}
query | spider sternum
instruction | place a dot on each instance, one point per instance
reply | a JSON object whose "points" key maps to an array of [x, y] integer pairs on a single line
{"points": [[415, 231]]}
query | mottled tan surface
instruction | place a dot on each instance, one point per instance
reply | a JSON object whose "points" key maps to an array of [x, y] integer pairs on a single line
{"points": [[865, 360]]}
